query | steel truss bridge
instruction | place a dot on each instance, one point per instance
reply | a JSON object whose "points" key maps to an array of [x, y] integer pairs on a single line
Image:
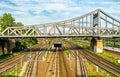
{"points": [[94, 24]]}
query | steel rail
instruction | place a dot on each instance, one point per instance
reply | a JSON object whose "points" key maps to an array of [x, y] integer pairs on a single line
{"points": [[11, 63], [107, 65], [78, 56]]}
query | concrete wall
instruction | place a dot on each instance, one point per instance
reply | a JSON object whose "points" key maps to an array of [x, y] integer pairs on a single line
{"points": [[6, 45], [1, 52], [3, 46], [11, 44]]}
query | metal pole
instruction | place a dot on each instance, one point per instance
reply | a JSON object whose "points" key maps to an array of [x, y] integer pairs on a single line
{"points": [[21, 62], [16, 71], [30, 52]]}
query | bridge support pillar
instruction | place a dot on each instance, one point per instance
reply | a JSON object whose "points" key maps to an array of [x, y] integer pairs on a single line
{"points": [[96, 45], [1, 50], [6, 46], [3, 47]]}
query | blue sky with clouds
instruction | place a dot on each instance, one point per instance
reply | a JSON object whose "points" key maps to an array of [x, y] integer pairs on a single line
{"points": [[44, 11]]}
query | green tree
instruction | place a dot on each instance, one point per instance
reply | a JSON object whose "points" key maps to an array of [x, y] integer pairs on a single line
{"points": [[22, 44], [18, 24], [0, 23], [7, 21]]}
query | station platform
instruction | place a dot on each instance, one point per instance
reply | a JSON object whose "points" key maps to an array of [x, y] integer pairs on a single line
{"points": [[114, 49]]}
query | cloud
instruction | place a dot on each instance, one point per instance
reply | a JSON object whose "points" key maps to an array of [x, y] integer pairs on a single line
{"points": [[43, 11], [8, 2]]}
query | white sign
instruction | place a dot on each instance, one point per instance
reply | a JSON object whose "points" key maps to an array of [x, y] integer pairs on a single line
{"points": [[118, 61]]}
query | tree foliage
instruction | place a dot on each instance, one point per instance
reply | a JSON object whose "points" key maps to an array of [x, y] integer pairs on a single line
{"points": [[23, 44], [0, 23], [18, 24], [7, 21]]}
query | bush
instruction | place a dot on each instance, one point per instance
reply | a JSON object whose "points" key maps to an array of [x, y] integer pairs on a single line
{"points": [[22, 44]]}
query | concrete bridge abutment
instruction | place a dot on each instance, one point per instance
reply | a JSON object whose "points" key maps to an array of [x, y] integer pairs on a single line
{"points": [[6, 46], [96, 45]]}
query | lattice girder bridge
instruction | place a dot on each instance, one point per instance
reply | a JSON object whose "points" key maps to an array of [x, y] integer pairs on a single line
{"points": [[94, 24]]}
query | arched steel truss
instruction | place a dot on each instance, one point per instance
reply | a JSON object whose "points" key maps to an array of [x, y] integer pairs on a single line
{"points": [[94, 24]]}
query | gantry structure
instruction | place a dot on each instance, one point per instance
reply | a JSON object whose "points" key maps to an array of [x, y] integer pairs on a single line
{"points": [[93, 24]]}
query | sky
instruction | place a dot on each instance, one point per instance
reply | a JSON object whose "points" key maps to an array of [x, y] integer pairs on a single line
{"points": [[31, 12]]}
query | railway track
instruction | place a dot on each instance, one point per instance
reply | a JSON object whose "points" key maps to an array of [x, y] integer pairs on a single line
{"points": [[32, 70], [49, 64], [99, 61], [57, 71], [10, 63], [63, 66], [4, 63], [107, 65], [39, 63], [58, 64], [30, 66], [75, 63], [55, 66], [81, 70], [36, 65], [15, 60]]}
